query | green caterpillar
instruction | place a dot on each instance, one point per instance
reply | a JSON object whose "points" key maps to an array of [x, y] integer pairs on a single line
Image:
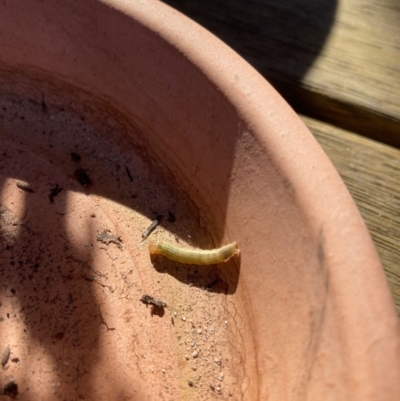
{"points": [[194, 256]]}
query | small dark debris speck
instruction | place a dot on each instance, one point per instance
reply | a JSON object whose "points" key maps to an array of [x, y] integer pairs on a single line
{"points": [[212, 387], [44, 105], [15, 360], [54, 192], [128, 173], [25, 187], [10, 389], [75, 157], [59, 336], [151, 227], [190, 383], [171, 217], [82, 177]]}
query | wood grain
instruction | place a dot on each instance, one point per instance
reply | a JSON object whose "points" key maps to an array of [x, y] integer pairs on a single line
{"points": [[371, 172], [336, 61]]}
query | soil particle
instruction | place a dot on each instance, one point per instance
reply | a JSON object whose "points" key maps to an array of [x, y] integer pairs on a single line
{"points": [[82, 177], [106, 238]]}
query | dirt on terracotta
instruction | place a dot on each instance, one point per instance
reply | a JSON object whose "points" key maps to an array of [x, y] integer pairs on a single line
{"points": [[77, 192]]}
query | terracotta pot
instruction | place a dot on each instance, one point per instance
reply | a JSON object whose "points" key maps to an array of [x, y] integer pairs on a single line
{"points": [[114, 113]]}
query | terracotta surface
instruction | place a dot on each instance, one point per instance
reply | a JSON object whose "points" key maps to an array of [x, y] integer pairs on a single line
{"points": [[114, 113]]}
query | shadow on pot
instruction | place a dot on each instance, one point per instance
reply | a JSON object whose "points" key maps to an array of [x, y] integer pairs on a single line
{"points": [[76, 193], [222, 278]]}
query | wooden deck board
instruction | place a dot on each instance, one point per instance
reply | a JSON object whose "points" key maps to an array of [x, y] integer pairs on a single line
{"points": [[371, 172], [338, 61]]}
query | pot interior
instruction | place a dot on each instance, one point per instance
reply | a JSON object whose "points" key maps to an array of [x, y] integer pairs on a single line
{"points": [[78, 190], [114, 117]]}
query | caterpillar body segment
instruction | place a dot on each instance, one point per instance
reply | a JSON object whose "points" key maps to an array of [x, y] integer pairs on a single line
{"points": [[194, 256]]}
